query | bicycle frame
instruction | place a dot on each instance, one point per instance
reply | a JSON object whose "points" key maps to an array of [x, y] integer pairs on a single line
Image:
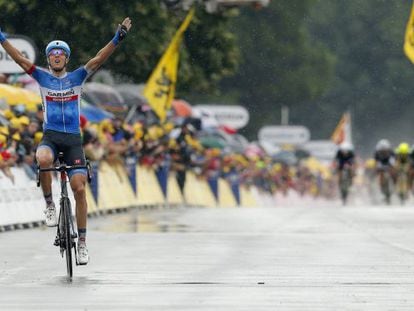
{"points": [[65, 196], [386, 183], [345, 182], [65, 216], [402, 184], [66, 234]]}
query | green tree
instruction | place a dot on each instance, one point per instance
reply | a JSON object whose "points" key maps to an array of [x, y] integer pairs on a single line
{"points": [[280, 65], [373, 78], [88, 25]]}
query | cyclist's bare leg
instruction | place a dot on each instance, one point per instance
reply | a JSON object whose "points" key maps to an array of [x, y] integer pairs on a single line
{"points": [[410, 178], [339, 176], [381, 178], [44, 157], [78, 182], [394, 174]]}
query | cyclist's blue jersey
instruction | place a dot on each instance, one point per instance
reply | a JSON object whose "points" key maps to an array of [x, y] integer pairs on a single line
{"points": [[61, 98]]}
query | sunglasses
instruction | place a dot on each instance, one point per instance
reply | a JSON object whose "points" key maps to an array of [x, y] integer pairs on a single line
{"points": [[56, 52]]}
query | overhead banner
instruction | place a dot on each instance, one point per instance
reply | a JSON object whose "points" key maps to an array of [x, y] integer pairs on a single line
{"points": [[321, 149], [280, 135], [409, 37], [160, 87], [233, 116], [25, 46]]}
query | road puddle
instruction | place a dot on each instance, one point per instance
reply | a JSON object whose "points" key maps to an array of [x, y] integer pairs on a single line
{"points": [[141, 221]]}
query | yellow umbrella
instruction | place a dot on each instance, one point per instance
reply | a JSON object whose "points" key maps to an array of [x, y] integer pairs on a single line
{"points": [[32, 99], [313, 164], [16, 96], [11, 94]]}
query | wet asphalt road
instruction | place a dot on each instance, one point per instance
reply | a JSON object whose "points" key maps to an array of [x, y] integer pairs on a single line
{"points": [[316, 256]]}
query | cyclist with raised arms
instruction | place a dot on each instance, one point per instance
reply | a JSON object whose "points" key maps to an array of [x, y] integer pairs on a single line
{"points": [[61, 95]]}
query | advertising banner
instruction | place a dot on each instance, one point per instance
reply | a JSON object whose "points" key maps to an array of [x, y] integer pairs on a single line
{"points": [[25, 45]]}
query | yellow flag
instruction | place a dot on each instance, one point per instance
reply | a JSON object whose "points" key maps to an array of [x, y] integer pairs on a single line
{"points": [[160, 87], [409, 37], [342, 132]]}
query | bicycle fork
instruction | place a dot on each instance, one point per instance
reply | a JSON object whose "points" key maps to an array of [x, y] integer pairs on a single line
{"points": [[60, 235]]}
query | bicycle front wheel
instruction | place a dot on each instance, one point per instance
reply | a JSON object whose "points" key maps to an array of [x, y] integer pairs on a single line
{"points": [[67, 214]]}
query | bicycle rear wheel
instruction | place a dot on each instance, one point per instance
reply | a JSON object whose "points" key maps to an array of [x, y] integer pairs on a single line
{"points": [[344, 185], [67, 213], [386, 188], [402, 186]]}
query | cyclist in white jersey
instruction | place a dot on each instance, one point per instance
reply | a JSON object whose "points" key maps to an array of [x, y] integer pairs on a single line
{"points": [[61, 94]]}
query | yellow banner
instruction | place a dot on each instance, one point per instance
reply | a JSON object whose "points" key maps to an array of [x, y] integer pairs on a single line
{"points": [[160, 87], [409, 37]]}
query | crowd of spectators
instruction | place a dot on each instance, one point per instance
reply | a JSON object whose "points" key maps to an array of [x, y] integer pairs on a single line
{"points": [[157, 146], [173, 144]]}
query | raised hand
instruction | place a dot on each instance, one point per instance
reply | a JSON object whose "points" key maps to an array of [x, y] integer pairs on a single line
{"points": [[124, 28], [127, 23]]}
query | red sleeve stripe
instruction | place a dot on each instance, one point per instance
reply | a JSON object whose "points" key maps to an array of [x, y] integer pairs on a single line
{"points": [[30, 71]]}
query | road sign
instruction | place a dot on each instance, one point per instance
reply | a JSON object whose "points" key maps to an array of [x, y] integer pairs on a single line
{"points": [[25, 45], [321, 149], [270, 148], [233, 116], [279, 135]]}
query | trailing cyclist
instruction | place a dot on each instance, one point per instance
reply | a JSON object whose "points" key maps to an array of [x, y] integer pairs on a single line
{"points": [[345, 165], [411, 179], [61, 95], [385, 159], [403, 168], [370, 174]]}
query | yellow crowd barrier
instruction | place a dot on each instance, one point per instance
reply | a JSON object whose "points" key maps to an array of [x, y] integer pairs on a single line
{"points": [[114, 187], [115, 190], [149, 191], [197, 192], [174, 195], [246, 197], [21, 202], [226, 197], [92, 207]]}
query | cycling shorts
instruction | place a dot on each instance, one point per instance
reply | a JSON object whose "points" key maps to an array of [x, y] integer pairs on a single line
{"points": [[69, 144]]}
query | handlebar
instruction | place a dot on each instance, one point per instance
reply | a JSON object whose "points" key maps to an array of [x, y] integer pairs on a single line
{"points": [[64, 168]]}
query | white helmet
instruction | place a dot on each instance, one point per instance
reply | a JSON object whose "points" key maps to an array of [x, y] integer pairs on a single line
{"points": [[383, 144], [346, 146], [58, 44]]}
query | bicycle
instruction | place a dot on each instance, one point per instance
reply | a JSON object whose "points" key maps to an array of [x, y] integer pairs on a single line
{"points": [[386, 184], [345, 183], [402, 184], [66, 234]]}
